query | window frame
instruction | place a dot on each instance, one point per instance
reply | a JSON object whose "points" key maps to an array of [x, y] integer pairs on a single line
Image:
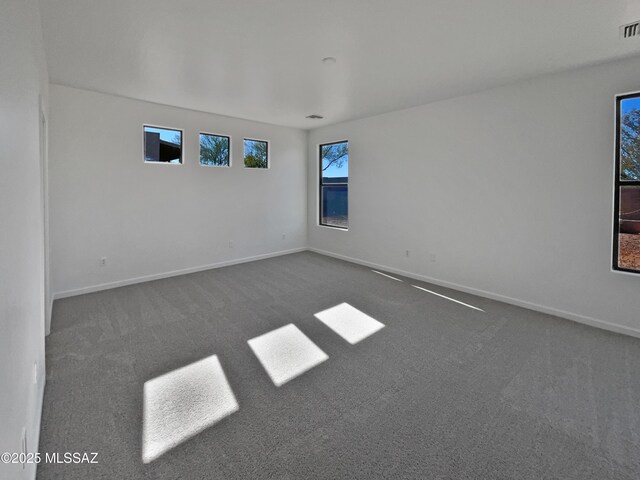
{"points": [[144, 146], [617, 184], [320, 185], [268, 153], [230, 149]]}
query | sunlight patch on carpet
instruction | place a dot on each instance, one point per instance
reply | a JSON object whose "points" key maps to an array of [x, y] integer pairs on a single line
{"points": [[286, 353], [447, 298], [349, 322], [386, 275], [183, 403]]}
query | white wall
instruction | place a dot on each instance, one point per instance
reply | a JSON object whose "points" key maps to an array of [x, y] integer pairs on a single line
{"points": [[23, 79], [510, 189], [153, 219]]}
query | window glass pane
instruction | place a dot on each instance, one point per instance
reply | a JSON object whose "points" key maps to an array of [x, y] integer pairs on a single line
{"points": [[334, 209], [630, 139], [256, 154], [335, 162], [629, 228], [162, 145], [214, 150]]}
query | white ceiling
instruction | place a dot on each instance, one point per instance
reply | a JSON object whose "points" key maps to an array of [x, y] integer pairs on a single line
{"points": [[260, 59]]}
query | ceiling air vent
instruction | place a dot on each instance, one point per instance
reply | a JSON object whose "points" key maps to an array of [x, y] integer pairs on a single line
{"points": [[315, 117], [630, 30]]}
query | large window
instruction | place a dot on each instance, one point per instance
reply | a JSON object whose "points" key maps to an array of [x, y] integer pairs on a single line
{"points": [[215, 150], [162, 145], [626, 228], [256, 153], [334, 184]]}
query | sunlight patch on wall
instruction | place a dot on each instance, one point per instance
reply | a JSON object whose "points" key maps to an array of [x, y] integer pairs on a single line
{"points": [[447, 298], [286, 353], [183, 403], [349, 322]]}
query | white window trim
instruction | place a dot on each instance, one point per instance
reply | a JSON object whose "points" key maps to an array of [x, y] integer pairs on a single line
{"points": [[182, 145], [318, 224], [268, 153], [230, 149]]}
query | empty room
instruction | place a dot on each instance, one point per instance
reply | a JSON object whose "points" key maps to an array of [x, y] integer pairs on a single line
{"points": [[338, 239]]}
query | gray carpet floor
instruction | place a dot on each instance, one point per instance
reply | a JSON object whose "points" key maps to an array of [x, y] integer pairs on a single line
{"points": [[442, 392]]}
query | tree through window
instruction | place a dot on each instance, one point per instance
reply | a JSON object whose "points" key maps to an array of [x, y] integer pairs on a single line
{"points": [[334, 184], [256, 153], [215, 150], [626, 242]]}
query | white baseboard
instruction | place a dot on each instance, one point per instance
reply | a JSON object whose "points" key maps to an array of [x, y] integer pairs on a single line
{"points": [[35, 433], [48, 313], [594, 322], [174, 273]]}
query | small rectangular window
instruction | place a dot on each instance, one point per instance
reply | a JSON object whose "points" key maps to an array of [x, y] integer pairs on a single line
{"points": [[334, 184], [626, 228], [162, 145], [256, 153], [215, 150]]}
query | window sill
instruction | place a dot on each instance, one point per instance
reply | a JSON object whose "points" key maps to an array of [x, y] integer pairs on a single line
{"points": [[341, 229]]}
